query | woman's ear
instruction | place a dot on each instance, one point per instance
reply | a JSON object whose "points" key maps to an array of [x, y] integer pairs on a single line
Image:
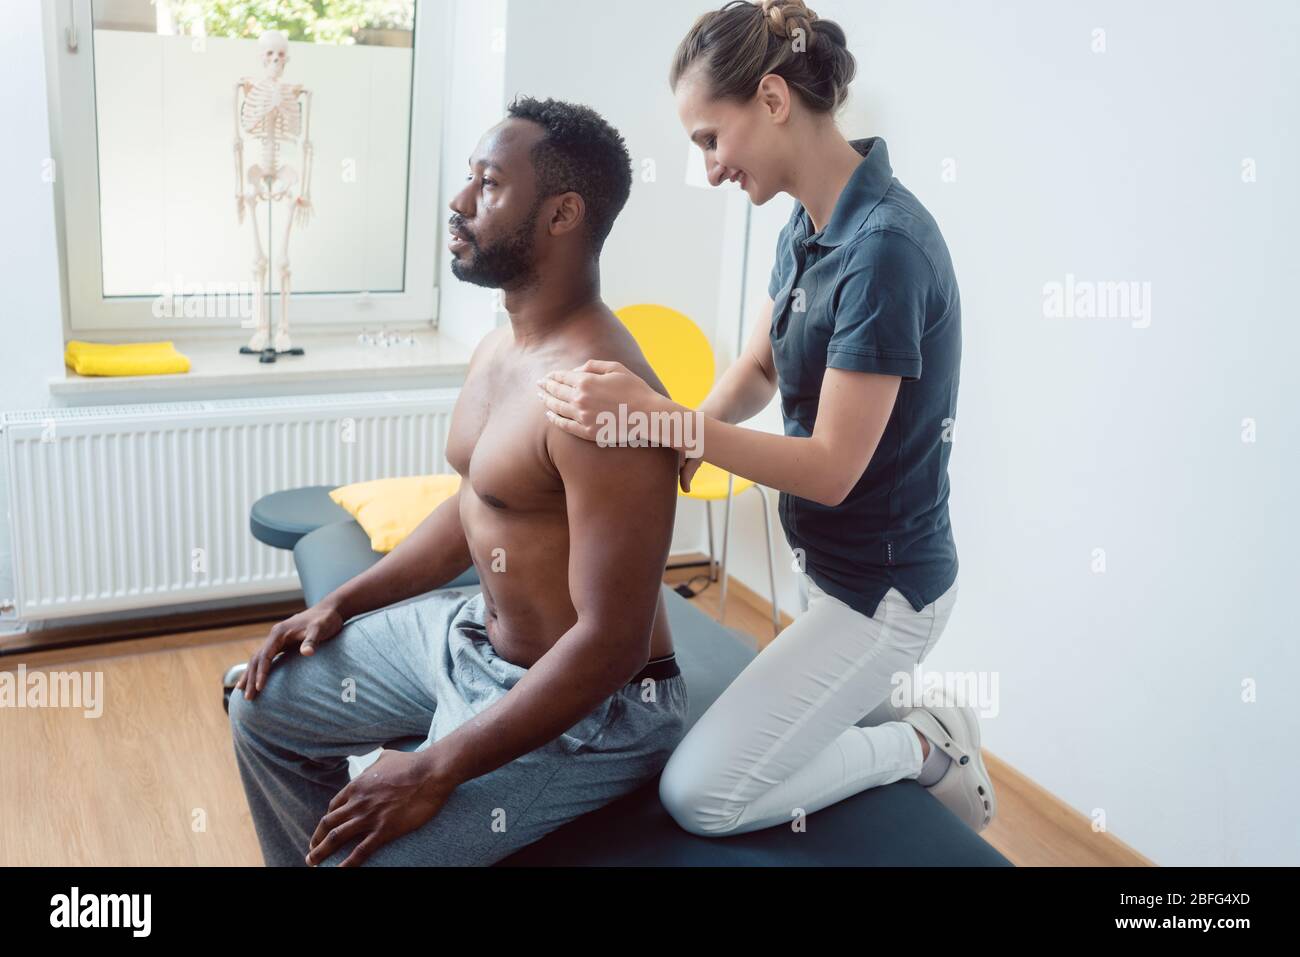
{"points": [[569, 212], [774, 97]]}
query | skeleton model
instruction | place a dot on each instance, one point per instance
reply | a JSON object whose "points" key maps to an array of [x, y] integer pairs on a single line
{"points": [[275, 115]]}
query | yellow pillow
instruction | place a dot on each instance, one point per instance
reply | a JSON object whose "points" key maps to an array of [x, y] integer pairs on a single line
{"points": [[390, 509]]}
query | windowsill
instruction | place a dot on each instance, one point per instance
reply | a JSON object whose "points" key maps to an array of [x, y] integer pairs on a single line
{"points": [[334, 358]]}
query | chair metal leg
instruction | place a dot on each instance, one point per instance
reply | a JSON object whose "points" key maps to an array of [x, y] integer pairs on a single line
{"points": [[229, 680], [726, 537], [713, 566], [771, 562]]}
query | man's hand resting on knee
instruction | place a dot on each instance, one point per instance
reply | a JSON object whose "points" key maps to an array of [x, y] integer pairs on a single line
{"points": [[432, 555], [303, 631], [392, 797]]}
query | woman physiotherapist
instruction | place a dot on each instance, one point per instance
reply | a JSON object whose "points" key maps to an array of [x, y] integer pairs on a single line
{"points": [[861, 334]]}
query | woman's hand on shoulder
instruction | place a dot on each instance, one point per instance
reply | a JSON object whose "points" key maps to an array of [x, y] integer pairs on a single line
{"points": [[586, 401]]}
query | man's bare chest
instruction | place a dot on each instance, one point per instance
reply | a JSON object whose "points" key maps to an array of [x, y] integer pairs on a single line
{"points": [[497, 441]]}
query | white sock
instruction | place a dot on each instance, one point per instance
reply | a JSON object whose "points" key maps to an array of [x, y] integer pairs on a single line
{"points": [[934, 766]]}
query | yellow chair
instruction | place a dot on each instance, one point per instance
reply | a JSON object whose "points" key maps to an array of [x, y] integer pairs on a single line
{"points": [[682, 357]]}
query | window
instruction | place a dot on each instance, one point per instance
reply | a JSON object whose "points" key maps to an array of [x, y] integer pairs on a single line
{"points": [[144, 129]]}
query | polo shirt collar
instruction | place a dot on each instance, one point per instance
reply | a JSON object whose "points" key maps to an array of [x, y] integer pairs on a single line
{"points": [[865, 188]]}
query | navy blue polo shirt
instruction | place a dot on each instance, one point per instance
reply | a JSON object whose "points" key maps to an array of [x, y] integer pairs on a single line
{"points": [[874, 291]]}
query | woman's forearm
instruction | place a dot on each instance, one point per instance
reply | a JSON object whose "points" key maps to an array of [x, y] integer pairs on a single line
{"points": [[800, 466], [743, 391], [853, 411]]}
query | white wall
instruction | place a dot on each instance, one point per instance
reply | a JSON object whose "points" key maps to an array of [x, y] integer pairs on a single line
{"points": [[29, 267]]}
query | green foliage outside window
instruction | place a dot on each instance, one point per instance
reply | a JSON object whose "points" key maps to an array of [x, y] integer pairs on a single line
{"points": [[313, 21]]}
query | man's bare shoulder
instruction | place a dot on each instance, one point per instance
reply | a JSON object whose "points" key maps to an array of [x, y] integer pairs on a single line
{"points": [[602, 336], [605, 337]]}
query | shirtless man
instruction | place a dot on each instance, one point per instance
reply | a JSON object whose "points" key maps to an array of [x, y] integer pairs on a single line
{"points": [[554, 689]]}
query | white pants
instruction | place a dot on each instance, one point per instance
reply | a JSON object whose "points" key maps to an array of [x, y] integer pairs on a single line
{"points": [[782, 740]]}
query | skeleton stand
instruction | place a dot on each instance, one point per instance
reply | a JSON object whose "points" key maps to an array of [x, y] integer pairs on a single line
{"points": [[274, 114]]}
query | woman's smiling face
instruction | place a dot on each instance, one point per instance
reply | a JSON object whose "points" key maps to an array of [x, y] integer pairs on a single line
{"points": [[741, 141]]}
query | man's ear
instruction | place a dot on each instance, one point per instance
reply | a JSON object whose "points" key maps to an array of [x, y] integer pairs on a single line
{"points": [[774, 96], [567, 214]]}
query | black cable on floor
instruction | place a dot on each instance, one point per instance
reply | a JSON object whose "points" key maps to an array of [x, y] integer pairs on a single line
{"points": [[685, 589]]}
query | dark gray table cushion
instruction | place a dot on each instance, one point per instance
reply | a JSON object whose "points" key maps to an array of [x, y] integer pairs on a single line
{"points": [[281, 519], [333, 554], [899, 824]]}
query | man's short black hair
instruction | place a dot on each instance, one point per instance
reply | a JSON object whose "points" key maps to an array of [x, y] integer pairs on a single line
{"points": [[579, 153]]}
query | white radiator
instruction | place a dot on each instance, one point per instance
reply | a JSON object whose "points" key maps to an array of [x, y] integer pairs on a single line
{"points": [[135, 506]]}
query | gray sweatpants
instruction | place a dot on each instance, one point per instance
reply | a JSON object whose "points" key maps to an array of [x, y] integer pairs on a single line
{"points": [[408, 675]]}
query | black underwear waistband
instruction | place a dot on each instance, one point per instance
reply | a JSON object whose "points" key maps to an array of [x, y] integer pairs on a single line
{"points": [[658, 669]]}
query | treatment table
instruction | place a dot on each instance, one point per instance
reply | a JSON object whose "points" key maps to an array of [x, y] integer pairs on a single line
{"points": [[899, 824]]}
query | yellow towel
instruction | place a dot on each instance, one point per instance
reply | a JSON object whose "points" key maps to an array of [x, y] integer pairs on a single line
{"points": [[390, 509], [131, 358]]}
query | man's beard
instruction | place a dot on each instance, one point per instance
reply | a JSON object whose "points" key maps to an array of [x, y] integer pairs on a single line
{"points": [[507, 263]]}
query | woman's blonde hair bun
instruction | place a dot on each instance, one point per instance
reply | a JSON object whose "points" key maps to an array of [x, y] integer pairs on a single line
{"points": [[784, 16]]}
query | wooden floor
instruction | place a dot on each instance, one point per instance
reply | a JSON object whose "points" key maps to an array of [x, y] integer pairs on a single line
{"points": [[153, 780]]}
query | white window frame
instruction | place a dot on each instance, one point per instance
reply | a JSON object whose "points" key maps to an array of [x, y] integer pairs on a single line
{"points": [[76, 156]]}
